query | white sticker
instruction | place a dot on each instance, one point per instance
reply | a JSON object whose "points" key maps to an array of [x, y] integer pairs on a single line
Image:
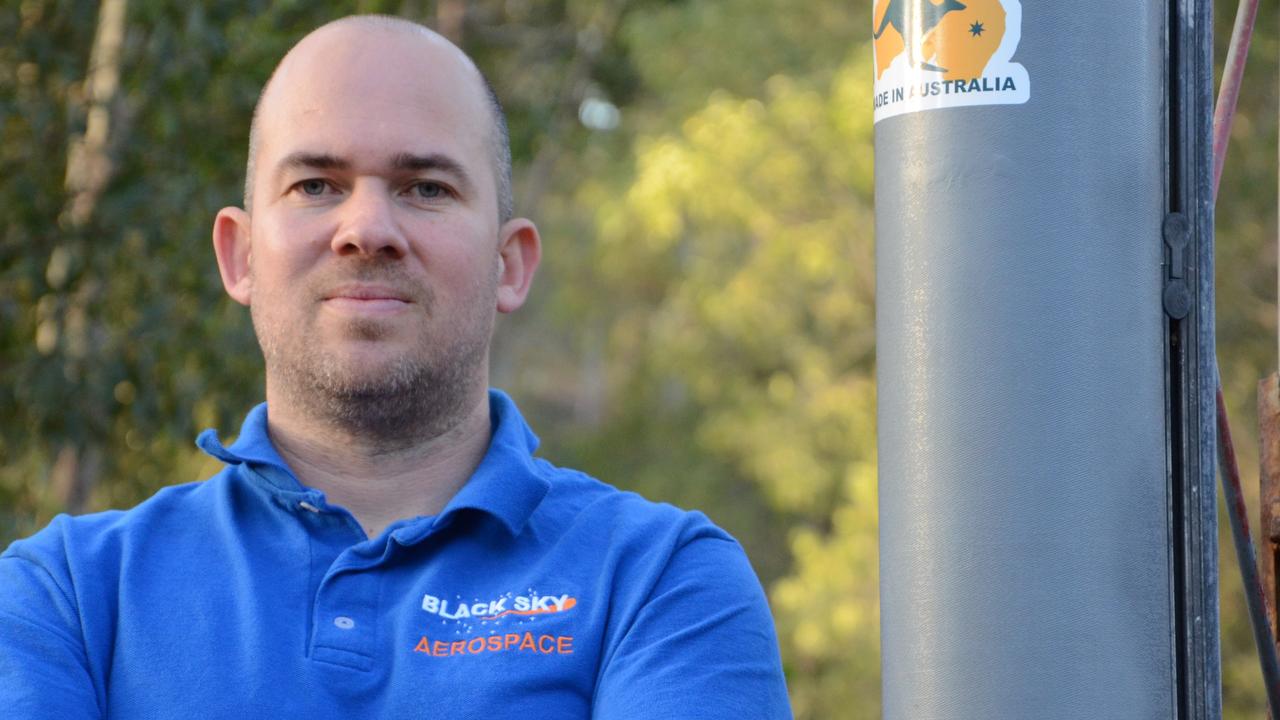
{"points": [[946, 53]]}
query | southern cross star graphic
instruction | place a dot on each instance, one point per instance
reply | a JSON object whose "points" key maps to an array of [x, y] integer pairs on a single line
{"points": [[976, 29]]}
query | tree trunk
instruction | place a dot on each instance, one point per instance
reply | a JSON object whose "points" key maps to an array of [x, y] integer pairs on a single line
{"points": [[451, 16], [79, 461], [88, 163]]}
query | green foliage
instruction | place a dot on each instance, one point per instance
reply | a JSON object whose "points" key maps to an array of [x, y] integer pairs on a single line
{"points": [[744, 243]]}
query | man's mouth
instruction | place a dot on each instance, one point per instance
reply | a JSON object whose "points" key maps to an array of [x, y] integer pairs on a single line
{"points": [[363, 298]]}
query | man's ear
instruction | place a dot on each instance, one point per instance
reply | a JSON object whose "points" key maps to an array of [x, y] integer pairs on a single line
{"points": [[519, 254], [231, 245]]}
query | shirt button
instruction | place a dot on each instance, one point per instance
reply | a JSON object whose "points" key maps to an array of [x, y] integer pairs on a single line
{"points": [[344, 623]]}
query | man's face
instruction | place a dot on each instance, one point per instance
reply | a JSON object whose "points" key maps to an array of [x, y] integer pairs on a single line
{"points": [[374, 236]]}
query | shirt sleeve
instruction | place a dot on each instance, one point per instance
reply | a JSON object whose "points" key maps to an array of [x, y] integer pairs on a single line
{"points": [[43, 664], [702, 647]]}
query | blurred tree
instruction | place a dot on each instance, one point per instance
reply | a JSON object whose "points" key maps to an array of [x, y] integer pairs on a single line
{"points": [[745, 239]]}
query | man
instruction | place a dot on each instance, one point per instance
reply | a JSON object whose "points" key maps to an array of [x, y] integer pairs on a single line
{"points": [[382, 542]]}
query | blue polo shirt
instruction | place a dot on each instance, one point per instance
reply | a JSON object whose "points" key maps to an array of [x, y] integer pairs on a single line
{"points": [[538, 592]]}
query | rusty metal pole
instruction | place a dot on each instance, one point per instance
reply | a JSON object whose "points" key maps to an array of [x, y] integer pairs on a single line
{"points": [[1260, 593], [1269, 491], [1269, 469], [1269, 483]]}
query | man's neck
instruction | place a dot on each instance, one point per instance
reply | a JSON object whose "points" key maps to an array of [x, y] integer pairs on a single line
{"points": [[380, 486]]}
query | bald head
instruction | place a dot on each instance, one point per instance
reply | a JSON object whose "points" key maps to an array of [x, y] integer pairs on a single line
{"points": [[433, 55]]}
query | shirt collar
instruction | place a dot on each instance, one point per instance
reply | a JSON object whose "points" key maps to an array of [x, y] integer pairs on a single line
{"points": [[506, 484], [253, 450]]}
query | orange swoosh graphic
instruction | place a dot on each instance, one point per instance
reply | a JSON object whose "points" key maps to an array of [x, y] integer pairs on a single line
{"points": [[569, 604]]}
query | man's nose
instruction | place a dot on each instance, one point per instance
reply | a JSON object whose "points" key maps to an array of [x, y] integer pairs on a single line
{"points": [[368, 225]]}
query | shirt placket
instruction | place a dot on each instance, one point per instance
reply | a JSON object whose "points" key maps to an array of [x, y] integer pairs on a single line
{"points": [[346, 608]]}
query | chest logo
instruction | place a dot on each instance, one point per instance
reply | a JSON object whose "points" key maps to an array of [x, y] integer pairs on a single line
{"points": [[529, 605]]}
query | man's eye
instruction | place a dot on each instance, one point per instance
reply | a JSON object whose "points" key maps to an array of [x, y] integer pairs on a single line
{"points": [[429, 190], [312, 187]]}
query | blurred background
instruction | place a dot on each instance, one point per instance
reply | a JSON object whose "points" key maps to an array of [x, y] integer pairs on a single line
{"points": [[701, 330]]}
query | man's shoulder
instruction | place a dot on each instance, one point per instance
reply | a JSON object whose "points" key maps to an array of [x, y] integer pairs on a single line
{"points": [[576, 490], [101, 537], [579, 502], [686, 614]]}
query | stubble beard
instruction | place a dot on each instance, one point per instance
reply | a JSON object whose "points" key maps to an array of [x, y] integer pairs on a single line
{"points": [[417, 395]]}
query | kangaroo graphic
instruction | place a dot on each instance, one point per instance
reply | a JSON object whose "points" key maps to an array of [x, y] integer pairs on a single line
{"points": [[922, 16]]}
